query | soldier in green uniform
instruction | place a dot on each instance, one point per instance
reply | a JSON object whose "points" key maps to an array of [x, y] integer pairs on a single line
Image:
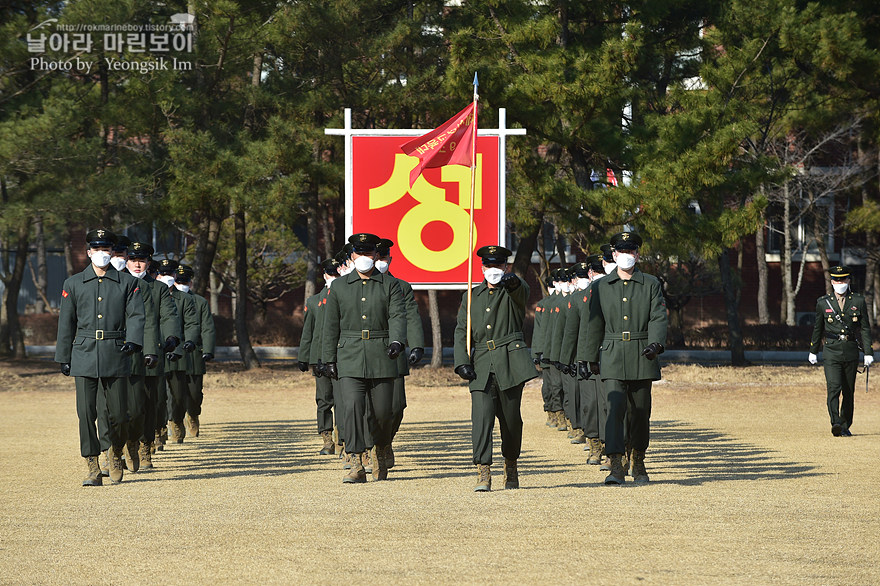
{"points": [[842, 324], [549, 349], [415, 339], [628, 321], [310, 356], [566, 352], [164, 315], [203, 352], [100, 325], [176, 362], [364, 325], [499, 365], [538, 349]]}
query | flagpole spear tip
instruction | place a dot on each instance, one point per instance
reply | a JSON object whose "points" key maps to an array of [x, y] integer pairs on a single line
{"points": [[476, 81]]}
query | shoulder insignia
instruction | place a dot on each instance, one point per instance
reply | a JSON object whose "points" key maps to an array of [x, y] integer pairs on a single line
{"points": [[585, 298], [64, 293], [569, 304]]}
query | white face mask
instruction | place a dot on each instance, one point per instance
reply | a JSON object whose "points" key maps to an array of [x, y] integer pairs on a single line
{"points": [[625, 261], [167, 279], [363, 264], [139, 275], [551, 290], [493, 275], [100, 258], [840, 288], [610, 268], [118, 262], [184, 288], [582, 283], [328, 280], [597, 276], [382, 266]]}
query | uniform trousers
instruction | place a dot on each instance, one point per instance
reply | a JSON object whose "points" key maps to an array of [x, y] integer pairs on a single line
{"points": [[194, 385], [504, 404], [162, 413], [178, 392], [840, 381], [633, 396], [545, 388], [398, 404], [555, 392], [325, 402], [571, 400], [151, 388], [359, 429], [591, 412], [96, 397], [133, 428]]}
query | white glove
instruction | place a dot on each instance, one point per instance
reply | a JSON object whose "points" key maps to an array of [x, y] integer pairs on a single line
{"points": [[868, 360], [812, 358]]}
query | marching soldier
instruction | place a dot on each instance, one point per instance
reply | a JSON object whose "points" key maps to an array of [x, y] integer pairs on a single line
{"points": [[567, 384], [203, 352], [583, 392], [364, 323], [101, 324], [842, 324], [628, 320], [164, 314], [549, 357], [415, 339], [538, 334], [310, 356], [500, 363]]}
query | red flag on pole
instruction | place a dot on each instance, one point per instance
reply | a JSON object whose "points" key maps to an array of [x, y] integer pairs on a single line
{"points": [[448, 144]]}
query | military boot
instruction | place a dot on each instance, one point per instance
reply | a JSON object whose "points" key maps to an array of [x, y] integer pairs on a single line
{"points": [[389, 457], [380, 467], [579, 437], [356, 474], [367, 462], [329, 448], [595, 457], [551, 420], [640, 474], [105, 463], [617, 475], [146, 455], [346, 459], [484, 482], [132, 456], [561, 423], [192, 424], [511, 475], [114, 454], [161, 438], [625, 461], [178, 431], [93, 477]]}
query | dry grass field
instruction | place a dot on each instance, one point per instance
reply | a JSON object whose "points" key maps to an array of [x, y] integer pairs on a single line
{"points": [[748, 486]]}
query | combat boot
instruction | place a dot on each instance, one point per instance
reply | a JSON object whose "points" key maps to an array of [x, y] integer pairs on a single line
{"points": [[346, 459], [617, 475], [357, 474], [114, 454], [579, 437], [595, 457], [367, 462], [192, 424], [561, 424], [178, 431], [640, 474], [132, 456], [551, 420], [484, 482], [146, 455], [105, 463], [380, 467], [389, 457], [161, 438], [93, 477], [625, 461], [329, 447], [511, 475]]}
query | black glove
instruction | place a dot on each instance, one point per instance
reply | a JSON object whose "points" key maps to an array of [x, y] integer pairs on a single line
{"points": [[172, 357], [594, 367], [320, 368], [189, 346], [416, 355], [129, 348], [330, 370], [207, 357], [317, 372], [558, 365], [572, 369], [302, 366], [394, 350], [545, 361], [65, 369], [466, 371], [652, 350], [537, 358], [171, 342], [150, 360], [563, 368], [510, 282], [583, 370]]}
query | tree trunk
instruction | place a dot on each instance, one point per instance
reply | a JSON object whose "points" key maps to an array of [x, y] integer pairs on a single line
{"points": [[819, 232], [312, 256], [11, 336], [734, 330], [523, 259], [206, 250], [216, 287], [787, 288], [763, 276], [42, 276], [248, 356], [68, 255], [436, 338]]}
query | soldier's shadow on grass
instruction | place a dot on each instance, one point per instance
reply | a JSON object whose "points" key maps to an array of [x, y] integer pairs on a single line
{"points": [[251, 448], [688, 455]]}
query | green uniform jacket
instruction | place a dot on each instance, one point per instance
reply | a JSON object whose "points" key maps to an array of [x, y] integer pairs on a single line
{"points": [[207, 337], [538, 331], [556, 328], [112, 305], [309, 348], [167, 318], [633, 309], [575, 321], [584, 322], [496, 336], [854, 323], [415, 335], [151, 330], [361, 318], [189, 324]]}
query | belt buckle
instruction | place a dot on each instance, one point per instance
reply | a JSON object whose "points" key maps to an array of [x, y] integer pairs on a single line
{"points": [[365, 334], [490, 344], [99, 334], [625, 336]]}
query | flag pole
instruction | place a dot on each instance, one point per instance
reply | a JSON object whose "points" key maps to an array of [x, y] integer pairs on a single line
{"points": [[471, 217]]}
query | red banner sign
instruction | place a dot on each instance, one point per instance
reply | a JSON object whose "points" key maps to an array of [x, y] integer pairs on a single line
{"points": [[428, 222]]}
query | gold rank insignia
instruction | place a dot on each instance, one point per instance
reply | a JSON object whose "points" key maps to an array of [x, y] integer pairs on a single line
{"points": [[624, 236], [831, 320]]}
